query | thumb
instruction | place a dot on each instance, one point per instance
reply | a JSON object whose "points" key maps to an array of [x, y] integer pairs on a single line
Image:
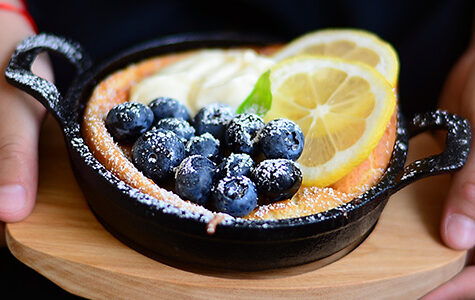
{"points": [[19, 131], [20, 119], [458, 219], [458, 225], [18, 172]]}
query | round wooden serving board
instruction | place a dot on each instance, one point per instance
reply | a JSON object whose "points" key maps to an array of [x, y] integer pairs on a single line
{"points": [[402, 258]]}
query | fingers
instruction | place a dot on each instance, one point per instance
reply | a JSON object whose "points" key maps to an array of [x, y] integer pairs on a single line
{"points": [[460, 287], [458, 226]]}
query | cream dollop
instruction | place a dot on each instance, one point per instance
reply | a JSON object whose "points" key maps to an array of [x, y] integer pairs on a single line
{"points": [[210, 75]]}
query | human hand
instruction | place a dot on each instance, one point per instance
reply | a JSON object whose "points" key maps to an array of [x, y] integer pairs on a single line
{"points": [[458, 219], [20, 119]]}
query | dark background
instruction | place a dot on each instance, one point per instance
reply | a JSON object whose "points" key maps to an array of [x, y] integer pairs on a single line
{"points": [[429, 36]]}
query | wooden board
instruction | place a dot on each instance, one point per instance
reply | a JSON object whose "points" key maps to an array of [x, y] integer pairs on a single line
{"points": [[403, 257]]}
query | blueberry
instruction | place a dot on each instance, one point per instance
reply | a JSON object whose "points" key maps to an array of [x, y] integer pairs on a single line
{"points": [[241, 132], [127, 121], [180, 127], [164, 107], [157, 152], [281, 138], [234, 165], [194, 178], [236, 196], [205, 145], [213, 118], [276, 179]]}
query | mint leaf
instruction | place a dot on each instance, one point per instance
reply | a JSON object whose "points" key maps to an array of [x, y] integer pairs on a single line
{"points": [[259, 100]]}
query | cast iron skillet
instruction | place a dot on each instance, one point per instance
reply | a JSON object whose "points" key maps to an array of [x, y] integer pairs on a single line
{"points": [[174, 235]]}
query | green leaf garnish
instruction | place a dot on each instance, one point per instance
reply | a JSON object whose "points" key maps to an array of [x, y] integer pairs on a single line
{"points": [[259, 100]]}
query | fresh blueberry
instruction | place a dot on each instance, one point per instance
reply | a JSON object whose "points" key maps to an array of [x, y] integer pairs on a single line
{"points": [[241, 132], [281, 138], [213, 118], [276, 179], [234, 165], [127, 121], [194, 178], [180, 127], [157, 152], [164, 107], [236, 196], [205, 145]]}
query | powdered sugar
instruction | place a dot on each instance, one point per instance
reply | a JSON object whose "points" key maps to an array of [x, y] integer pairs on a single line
{"points": [[242, 131], [115, 90]]}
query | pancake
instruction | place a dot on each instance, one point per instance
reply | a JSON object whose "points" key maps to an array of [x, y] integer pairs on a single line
{"points": [[115, 89]]}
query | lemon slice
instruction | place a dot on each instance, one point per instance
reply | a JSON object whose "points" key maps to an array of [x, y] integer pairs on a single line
{"points": [[342, 107], [350, 44]]}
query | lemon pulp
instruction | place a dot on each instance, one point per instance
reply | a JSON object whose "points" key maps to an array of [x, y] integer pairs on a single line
{"points": [[342, 107]]}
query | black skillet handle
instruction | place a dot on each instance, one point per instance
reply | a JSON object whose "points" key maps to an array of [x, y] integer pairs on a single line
{"points": [[457, 147], [18, 72]]}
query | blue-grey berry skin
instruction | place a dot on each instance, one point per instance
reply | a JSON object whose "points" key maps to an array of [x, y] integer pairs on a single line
{"points": [[180, 127], [194, 179], [281, 138], [213, 118], [241, 132], [205, 145], [156, 154], [276, 179], [127, 121], [236, 196], [164, 107], [234, 165]]}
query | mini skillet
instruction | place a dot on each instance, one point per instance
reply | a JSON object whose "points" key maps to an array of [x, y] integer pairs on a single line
{"points": [[176, 236]]}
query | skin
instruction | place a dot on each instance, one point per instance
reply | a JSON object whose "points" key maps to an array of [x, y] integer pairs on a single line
{"points": [[21, 117], [458, 217]]}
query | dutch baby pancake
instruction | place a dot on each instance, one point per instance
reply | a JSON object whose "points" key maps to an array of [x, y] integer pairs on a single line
{"points": [[338, 113]]}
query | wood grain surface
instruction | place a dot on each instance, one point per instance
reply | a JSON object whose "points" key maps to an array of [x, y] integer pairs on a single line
{"points": [[403, 257]]}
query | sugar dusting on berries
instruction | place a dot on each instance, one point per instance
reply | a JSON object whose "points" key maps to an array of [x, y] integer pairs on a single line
{"points": [[132, 107], [186, 166], [234, 163], [159, 135], [205, 136], [270, 169], [217, 114], [242, 132], [206, 145], [179, 126]]}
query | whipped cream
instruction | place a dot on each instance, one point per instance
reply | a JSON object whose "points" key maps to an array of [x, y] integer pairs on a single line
{"points": [[211, 75]]}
